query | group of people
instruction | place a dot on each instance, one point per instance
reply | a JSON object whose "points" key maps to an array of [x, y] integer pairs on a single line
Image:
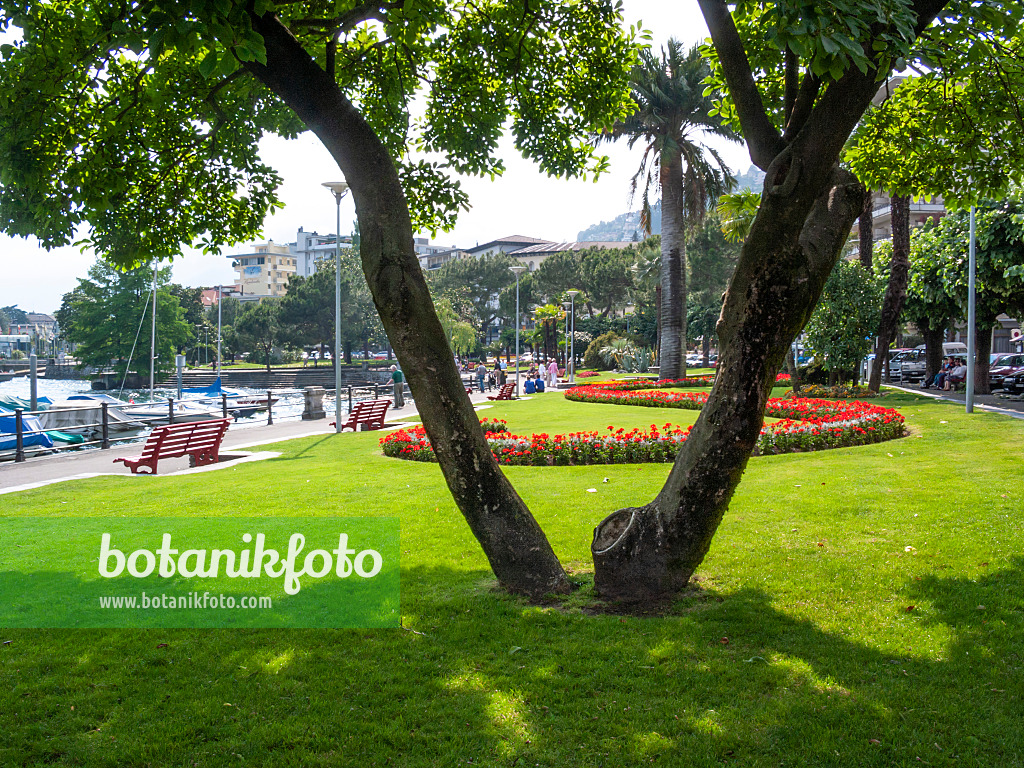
{"points": [[494, 378], [951, 373], [536, 379]]}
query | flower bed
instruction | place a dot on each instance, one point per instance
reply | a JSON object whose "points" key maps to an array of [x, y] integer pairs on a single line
{"points": [[805, 425], [613, 447], [821, 391]]}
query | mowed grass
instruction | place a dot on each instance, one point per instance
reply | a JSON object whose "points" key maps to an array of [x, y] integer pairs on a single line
{"points": [[858, 607]]}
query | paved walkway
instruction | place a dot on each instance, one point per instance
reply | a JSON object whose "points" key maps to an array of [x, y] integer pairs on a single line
{"points": [[72, 465], [1012, 406]]}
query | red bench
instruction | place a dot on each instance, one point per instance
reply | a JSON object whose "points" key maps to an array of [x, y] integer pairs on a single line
{"points": [[368, 412], [199, 440], [506, 392]]}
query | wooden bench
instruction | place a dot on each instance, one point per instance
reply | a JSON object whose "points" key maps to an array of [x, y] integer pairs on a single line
{"points": [[368, 412], [199, 440], [506, 392]]}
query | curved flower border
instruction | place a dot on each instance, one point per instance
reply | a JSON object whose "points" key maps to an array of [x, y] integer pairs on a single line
{"points": [[804, 425]]}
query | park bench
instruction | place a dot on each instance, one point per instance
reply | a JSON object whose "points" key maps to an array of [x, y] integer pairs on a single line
{"points": [[505, 393], [199, 440], [368, 412]]}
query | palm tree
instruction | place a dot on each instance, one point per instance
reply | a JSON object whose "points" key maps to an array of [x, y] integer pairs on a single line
{"points": [[671, 109]]}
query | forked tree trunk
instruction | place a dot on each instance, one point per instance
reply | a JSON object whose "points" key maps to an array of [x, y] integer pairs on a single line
{"points": [[673, 271], [516, 547], [650, 552], [896, 290]]}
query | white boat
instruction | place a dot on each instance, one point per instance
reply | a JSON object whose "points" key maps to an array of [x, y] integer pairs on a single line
{"points": [[159, 411], [239, 405], [83, 414]]}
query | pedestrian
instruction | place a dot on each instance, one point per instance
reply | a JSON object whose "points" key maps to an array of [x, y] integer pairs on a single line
{"points": [[398, 380], [481, 374], [499, 375], [553, 374]]}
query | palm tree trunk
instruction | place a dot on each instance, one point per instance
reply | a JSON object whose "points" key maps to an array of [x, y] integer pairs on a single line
{"points": [[896, 290], [867, 232], [673, 273]]}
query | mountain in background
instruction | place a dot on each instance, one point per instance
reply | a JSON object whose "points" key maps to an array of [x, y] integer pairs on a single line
{"points": [[626, 227]]}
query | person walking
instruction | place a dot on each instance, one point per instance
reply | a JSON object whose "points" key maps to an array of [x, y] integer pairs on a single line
{"points": [[553, 373], [398, 380], [481, 374], [499, 375]]}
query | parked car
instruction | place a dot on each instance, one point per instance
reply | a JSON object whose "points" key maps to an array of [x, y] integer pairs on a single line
{"points": [[1004, 366], [1014, 383]]}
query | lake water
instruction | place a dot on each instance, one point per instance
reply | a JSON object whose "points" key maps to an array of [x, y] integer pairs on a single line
{"points": [[289, 405]]}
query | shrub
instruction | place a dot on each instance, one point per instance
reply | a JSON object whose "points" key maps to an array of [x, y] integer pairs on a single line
{"points": [[593, 358]]}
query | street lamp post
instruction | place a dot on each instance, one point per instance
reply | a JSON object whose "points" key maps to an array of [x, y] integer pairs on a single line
{"points": [[971, 341], [572, 339], [518, 269], [339, 189], [566, 305]]}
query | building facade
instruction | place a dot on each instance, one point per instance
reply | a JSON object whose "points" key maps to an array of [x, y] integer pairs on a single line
{"points": [[264, 271]]}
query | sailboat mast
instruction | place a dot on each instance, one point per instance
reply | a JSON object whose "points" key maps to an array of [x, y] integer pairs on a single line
{"points": [[152, 340], [220, 299]]}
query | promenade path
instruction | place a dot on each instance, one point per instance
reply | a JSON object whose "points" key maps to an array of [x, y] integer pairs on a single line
{"points": [[72, 465]]}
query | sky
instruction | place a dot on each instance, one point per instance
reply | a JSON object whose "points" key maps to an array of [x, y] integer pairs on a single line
{"points": [[523, 201]]}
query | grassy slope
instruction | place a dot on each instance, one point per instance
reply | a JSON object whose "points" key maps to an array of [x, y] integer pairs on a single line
{"points": [[796, 648]]}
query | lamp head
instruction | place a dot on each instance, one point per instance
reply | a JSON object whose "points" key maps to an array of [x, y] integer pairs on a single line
{"points": [[338, 188], [573, 294], [518, 269]]}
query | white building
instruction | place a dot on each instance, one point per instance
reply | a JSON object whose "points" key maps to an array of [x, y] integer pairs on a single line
{"points": [[311, 248]]}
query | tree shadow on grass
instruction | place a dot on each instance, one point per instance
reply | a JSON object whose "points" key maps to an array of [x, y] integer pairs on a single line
{"points": [[478, 678]]}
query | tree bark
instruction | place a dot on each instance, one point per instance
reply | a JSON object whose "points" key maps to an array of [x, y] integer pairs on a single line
{"points": [[982, 354], [650, 552], [515, 546], [896, 290], [673, 269], [866, 232], [932, 350], [793, 370]]}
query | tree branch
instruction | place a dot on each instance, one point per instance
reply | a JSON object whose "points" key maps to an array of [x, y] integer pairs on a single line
{"points": [[346, 21], [792, 74], [763, 139], [803, 105]]}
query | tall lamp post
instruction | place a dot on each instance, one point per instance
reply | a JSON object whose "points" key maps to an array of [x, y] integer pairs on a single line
{"points": [[971, 341], [339, 189], [518, 269], [572, 339], [566, 305]]}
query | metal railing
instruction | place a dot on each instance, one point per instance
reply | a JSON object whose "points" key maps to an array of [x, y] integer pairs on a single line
{"points": [[102, 435]]}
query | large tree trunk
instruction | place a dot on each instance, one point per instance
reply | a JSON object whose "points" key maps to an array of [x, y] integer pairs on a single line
{"points": [[650, 552], [673, 270], [896, 290], [932, 351], [982, 354], [866, 232], [516, 547]]}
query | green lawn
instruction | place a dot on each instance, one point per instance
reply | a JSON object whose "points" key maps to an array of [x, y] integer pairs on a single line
{"points": [[859, 607]]}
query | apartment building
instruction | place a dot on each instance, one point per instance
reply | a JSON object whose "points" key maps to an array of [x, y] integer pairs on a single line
{"points": [[264, 271]]}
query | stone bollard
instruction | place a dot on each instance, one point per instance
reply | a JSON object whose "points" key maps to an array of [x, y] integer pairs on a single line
{"points": [[314, 408]]}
